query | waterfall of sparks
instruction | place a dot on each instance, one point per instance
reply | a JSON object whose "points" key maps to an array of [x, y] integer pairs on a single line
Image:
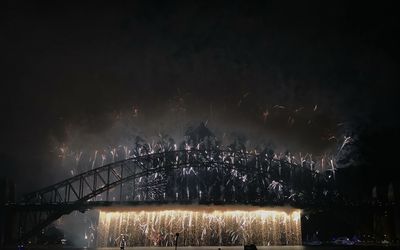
{"points": [[200, 227]]}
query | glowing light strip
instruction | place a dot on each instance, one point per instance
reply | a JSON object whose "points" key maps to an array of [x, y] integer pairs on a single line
{"points": [[200, 226]]}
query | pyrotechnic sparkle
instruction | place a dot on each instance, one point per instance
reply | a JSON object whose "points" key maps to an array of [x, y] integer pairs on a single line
{"points": [[199, 226], [80, 159]]}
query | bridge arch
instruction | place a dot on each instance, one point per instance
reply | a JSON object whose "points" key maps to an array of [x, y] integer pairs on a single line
{"points": [[182, 176]]}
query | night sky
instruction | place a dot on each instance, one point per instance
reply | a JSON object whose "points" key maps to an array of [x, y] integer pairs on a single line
{"points": [[332, 68]]}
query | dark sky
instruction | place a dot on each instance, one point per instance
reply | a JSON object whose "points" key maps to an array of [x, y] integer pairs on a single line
{"points": [[74, 65]]}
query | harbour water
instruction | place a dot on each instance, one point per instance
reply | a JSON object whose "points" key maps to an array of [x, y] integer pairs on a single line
{"points": [[369, 247]]}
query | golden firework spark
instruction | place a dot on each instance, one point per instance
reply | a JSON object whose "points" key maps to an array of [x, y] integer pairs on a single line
{"points": [[201, 226]]}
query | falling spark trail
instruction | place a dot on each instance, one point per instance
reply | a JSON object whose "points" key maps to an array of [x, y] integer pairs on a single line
{"points": [[126, 151], [103, 159], [78, 158], [333, 168], [347, 140], [94, 160], [298, 109]]}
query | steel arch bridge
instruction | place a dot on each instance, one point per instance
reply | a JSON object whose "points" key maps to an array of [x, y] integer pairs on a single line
{"points": [[182, 176]]}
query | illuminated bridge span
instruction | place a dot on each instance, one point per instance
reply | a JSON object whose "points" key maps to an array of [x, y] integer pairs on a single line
{"points": [[184, 176]]}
